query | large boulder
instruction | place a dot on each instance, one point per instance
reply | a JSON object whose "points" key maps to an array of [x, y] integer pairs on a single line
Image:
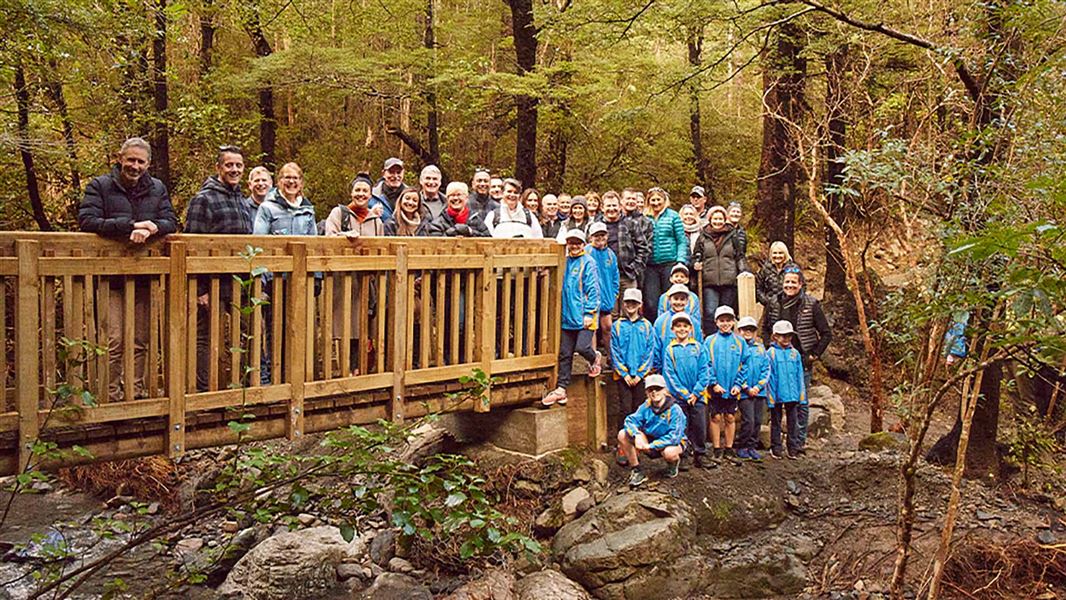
{"points": [[823, 397], [494, 585], [761, 570], [394, 586], [731, 515], [884, 440], [819, 422], [638, 534], [549, 585], [292, 565]]}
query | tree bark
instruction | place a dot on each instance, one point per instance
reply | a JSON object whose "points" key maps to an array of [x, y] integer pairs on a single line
{"points": [[429, 41], [268, 122], [160, 90], [835, 284], [22, 100], [207, 37], [525, 45], [780, 174], [55, 92], [699, 160]]}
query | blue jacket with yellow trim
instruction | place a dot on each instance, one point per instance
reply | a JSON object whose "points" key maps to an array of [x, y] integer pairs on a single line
{"points": [[686, 370], [632, 345], [663, 426], [663, 335], [581, 292], [693, 308], [756, 369], [786, 376], [607, 269], [726, 353]]}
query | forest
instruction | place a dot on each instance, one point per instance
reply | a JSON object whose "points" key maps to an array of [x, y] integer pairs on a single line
{"points": [[844, 127]]}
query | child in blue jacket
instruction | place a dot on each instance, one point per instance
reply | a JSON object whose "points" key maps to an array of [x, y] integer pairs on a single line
{"points": [[680, 274], [785, 392], [657, 428], [678, 295], [686, 368], [581, 305], [756, 376], [632, 344], [725, 350], [607, 268]]}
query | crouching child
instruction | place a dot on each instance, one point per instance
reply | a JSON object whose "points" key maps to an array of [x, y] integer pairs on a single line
{"points": [[656, 429], [756, 376], [785, 392]]}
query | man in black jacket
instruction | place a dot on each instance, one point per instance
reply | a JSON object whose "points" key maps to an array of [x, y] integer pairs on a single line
{"points": [[127, 204]]}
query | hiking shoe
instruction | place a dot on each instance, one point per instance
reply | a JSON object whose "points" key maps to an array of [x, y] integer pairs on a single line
{"points": [[743, 453], [793, 454], [754, 455], [597, 365], [719, 453], [558, 395], [637, 478], [777, 453], [672, 469], [620, 458], [697, 461], [684, 464]]}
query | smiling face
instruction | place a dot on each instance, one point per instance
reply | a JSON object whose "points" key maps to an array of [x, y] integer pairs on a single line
{"points": [[734, 213], [599, 240], [632, 308], [725, 323], [678, 302], [577, 211], [657, 395], [456, 198], [393, 176], [496, 188], [791, 284], [629, 201], [689, 216], [409, 202], [551, 206], [230, 168], [292, 183], [133, 162], [612, 211], [748, 333], [360, 193], [778, 256], [564, 204], [717, 219], [679, 277], [533, 202], [593, 204], [481, 182], [698, 201], [510, 195], [681, 329], [260, 183], [430, 183], [785, 341], [574, 246], [658, 203]]}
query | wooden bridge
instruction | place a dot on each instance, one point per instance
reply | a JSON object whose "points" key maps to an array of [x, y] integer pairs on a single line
{"points": [[424, 311]]}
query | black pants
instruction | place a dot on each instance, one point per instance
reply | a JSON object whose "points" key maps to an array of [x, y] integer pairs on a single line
{"points": [[791, 412], [696, 429], [713, 297], [750, 420], [656, 282], [629, 398], [571, 341]]}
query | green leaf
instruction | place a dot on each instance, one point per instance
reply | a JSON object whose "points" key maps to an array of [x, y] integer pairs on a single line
{"points": [[347, 532], [454, 499]]}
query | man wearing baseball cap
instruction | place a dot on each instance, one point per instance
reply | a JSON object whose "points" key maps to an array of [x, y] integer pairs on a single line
{"points": [[581, 306], [632, 345], [388, 189], [698, 199], [657, 428]]}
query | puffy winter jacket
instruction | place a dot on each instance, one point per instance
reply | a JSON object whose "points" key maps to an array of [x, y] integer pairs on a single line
{"points": [[446, 226], [669, 242], [581, 292], [277, 217], [720, 267], [756, 369], [693, 307], [813, 333], [726, 353], [786, 376], [632, 345], [110, 210], [768, 281], [686, 370], [607, 269], [663, 426]]}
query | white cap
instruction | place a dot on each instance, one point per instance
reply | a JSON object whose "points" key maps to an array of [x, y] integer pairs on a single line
{"points": [[747, 322], [681, 316], [597, 227], [677, 288], [783, 328], [654, 381], [633, 295], [575, 234], [722, 311], [679, 267]]}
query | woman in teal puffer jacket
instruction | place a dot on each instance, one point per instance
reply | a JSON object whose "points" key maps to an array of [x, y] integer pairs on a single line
{"points": [[669, 247]]}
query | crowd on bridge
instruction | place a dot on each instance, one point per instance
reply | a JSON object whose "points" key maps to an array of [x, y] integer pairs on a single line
{"points": [[650, 293]]}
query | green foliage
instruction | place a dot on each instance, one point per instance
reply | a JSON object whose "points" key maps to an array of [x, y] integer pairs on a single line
{"points": [[1033, 444]]}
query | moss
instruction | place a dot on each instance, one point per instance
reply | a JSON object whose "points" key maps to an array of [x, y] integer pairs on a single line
{"points": [[883, 440]]}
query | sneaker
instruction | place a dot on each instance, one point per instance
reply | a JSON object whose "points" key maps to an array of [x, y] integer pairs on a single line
{"points": [[743, 453], [597, 366], [793, 454], [754, 455], [777, 453], [697, 461], [685, 463], [637, 478], [558, 395], [672, 469], [719, 453], [561, 401], [620, 458]]}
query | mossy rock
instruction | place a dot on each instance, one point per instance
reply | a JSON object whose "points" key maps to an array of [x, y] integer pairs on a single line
{"points": [[884, 440]]}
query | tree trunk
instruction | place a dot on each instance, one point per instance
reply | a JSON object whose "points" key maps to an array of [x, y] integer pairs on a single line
{"points": [[160, 129], [429, 41], [555, 163], [207, 37], [699, 161], [780, 174], [55, 92], [525, 46], [835, 98], [22, 100], [268, 122]]}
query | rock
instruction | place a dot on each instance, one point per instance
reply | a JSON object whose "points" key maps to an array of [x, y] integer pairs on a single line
{"points": [[395, 586], [819, 422], [804, 548], [584, 506], [792, 487], [153, 508], [582, 475], [529, 489], [1046, 537], [985, 516], [572, 498], [383, 547], [549, 585], [600, 471], [495, 585], [188, 546], [884, 440], [764, 435], [823, 396], [399, 565], [229, 526], [41, 487], [549, 521], [726, 515], [292, 565], [769, 570], [629, 536], [306, 519], [346, 571]]}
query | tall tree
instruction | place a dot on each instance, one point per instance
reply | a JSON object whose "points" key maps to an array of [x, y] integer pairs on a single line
{"points": [[700, 163], [525, 47], [836, 126], [207, 35], [54, 87], [160, 97], [22, 99], [268, 122]]}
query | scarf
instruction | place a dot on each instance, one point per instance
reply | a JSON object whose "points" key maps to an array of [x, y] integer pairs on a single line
{"points": [[360, 212], [460, 216], [718, 237], [694, 228], [407, 226]]}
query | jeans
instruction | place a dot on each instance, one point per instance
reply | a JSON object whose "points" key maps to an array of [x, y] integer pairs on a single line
{"points": [[713, 297], [791, 412], [750, 420], [629, 398], [580, 341], [656, 282], [696, 429]]}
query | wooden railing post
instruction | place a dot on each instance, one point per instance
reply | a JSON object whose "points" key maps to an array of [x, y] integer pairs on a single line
{"points": [[177, 358], [555, 300], [487, 324], [399, 310], [296, 326], [27, 353]]}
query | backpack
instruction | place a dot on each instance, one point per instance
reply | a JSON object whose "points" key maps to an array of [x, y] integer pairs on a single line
{"points": [[496, 212]]}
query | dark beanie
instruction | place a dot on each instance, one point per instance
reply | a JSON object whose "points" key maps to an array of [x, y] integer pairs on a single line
{"points": [[364, 177]]}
